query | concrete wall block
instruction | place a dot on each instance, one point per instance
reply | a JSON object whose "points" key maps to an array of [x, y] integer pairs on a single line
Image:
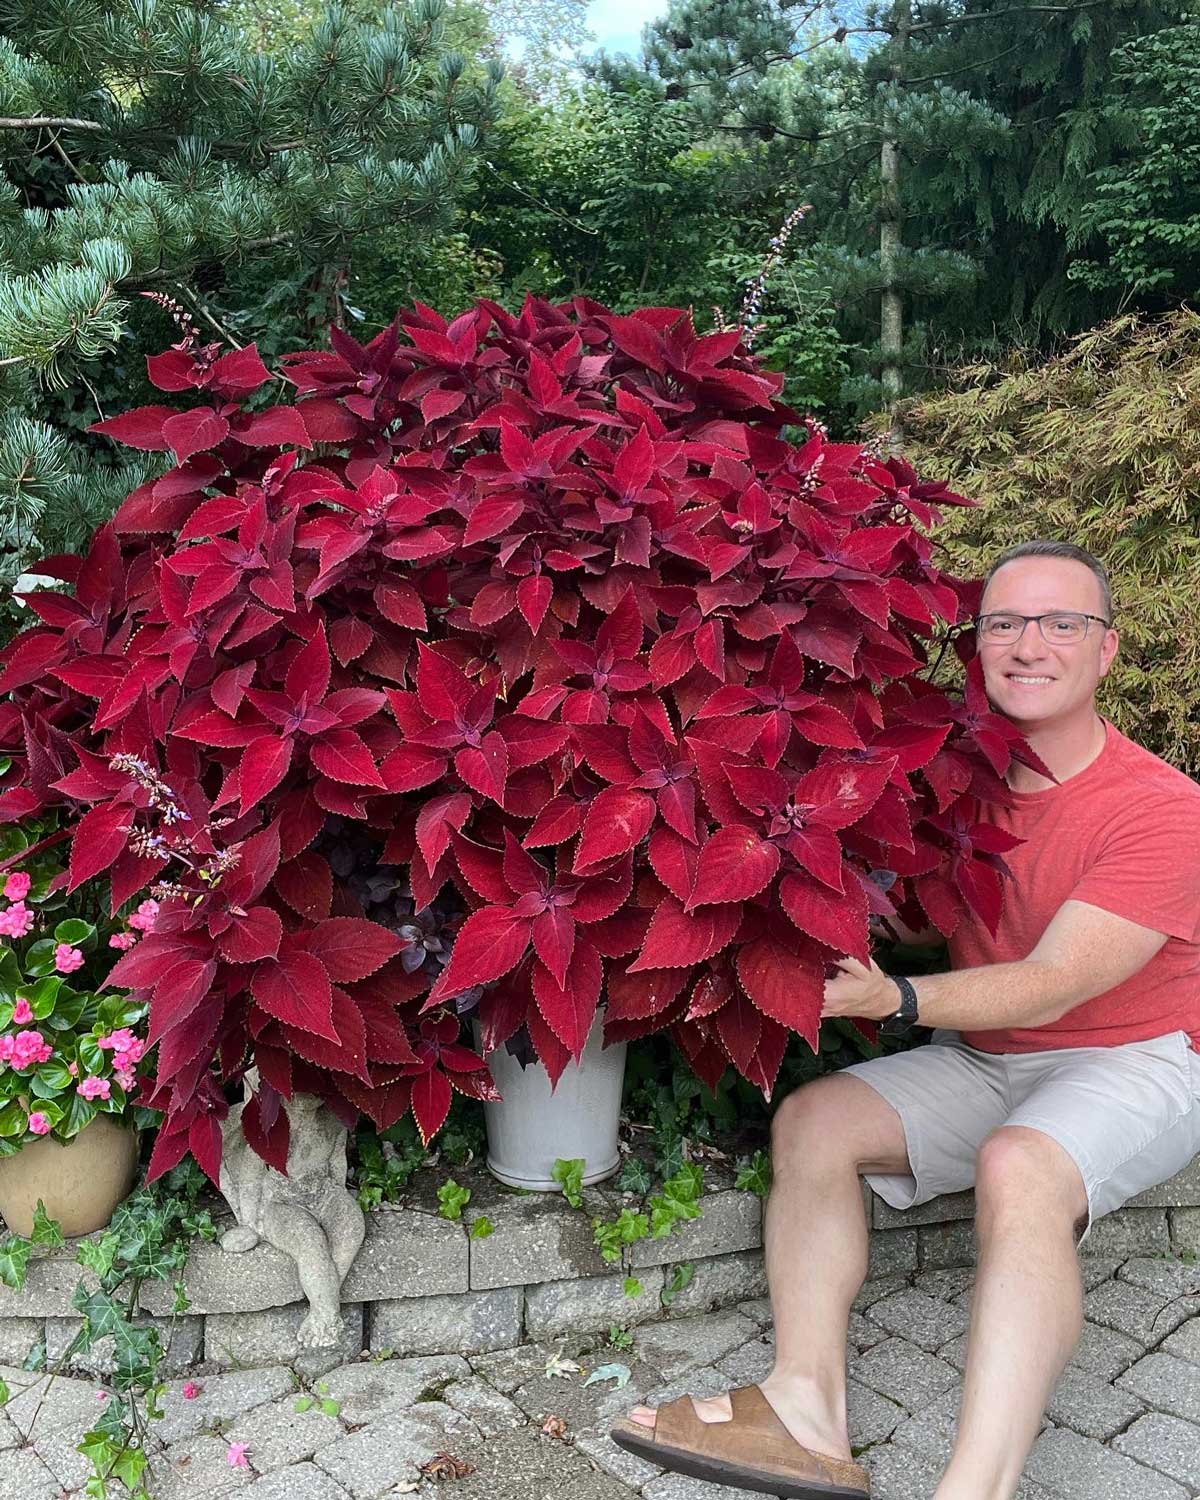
{"points": [[268, 1337], [17, 1337], [721, 1281], [461, 1323], [537, 1238], [1180, 1191], [1129, 1231], [1185, 1229], [729, 1222], [590, 1304], [892, 1252], [949, 1208], [408, 1253], [182, 1338], [942, 1246]]}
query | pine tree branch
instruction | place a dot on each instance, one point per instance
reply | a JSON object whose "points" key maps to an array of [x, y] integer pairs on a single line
{"points": [[52, 122], [949, 22]]}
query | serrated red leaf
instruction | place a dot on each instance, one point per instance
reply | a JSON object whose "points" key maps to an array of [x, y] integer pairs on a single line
{"points": [[295, 989], [839, 920], [267, 1128], [617, 820], [431, 1098], [490, 943], [783, 985], [351, 947], [734, 864], [554, 941], [570, 1008], [251, 937], [306, 884], [676, 938], [99, 837]]}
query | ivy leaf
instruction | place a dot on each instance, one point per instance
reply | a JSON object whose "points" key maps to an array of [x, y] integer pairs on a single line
{"points": [[14, 1260], [681, 1277], [453, 1199], [754, 1175], [481, 1227], [635, 1177], [46, 1231], [620, 1373], [568, 1173], [633, 1287]]}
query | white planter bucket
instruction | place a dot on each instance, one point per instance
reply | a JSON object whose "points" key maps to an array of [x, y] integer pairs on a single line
{"points": [[531, 1127]]}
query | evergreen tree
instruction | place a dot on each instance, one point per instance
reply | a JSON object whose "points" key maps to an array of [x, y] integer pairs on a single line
{"points": [[946, 146], [150, 147]]}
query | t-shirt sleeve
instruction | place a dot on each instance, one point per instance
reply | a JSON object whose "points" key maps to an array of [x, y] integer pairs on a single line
{"points": [[1148, 869]]}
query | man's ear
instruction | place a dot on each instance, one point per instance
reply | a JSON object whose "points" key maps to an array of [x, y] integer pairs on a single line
{"points": [[1109, 650]]}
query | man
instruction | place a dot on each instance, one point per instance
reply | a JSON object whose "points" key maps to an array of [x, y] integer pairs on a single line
{"points": [[1063, 1077]]}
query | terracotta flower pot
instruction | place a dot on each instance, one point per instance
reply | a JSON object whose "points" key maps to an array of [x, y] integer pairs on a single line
{"points": [[80, 1182]]}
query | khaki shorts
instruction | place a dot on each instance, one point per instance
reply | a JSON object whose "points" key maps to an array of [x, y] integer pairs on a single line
{"points": [[1128, 1116]]}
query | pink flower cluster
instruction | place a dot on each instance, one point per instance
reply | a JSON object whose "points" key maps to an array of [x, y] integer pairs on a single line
{"points": [[143, 918], [67, 959], [17, 886], [95, 1088], [24, 1050], [39, 1123], [122, 940], [16, 921], [127, 1051]]}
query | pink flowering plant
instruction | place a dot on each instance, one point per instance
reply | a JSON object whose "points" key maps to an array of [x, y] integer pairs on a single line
{"points": [[67, 1051]]}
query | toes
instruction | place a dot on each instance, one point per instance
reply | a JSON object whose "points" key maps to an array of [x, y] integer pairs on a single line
{"points": [[644, 1416]]}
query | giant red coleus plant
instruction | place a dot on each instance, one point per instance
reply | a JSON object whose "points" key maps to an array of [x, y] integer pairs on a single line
{"points": [[554, 608]]}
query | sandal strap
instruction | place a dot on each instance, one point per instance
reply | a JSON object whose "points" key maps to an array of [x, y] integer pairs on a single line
{"points": [[754, 1439]]}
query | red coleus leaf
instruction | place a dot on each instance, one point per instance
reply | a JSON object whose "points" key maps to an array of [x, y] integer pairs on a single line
{"points": [[306, 884], [677, 938], [431, 1096], [554, 941], [784, 986], [569, 1006], [733, 865], [140, 428], [251, 937], [294, 988], [343, 755], [351, 947], [490, 943], [267, 1128], [263, 766], [839, 920], [617, 820]]}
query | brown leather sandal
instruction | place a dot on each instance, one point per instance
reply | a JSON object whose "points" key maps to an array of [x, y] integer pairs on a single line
{"points": [[754, 1451]]}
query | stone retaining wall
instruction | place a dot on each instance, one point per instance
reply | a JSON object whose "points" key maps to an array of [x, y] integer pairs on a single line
{"points": [[422, 1285]]}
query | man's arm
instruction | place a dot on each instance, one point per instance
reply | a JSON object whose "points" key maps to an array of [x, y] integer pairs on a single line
{"points": [[1083, 952]]}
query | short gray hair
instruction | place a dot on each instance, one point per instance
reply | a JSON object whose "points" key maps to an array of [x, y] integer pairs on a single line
{"points": [[1058, 549]]}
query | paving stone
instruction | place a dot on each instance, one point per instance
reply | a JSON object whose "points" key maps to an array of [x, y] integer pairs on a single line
{"points": [[943, 1246], [627, 1467], [758, 1309], [50, 1283], [461, 1323], [17, 1337], [891, 1252], [1184, 1226], [676, 1346], [900, 1474], [529, 1466], [390, 1451], [537, 1238], [955, 1352], [277, 1434], [594, 1408], [9, 1436], [590, 1304], [730, 1221], [876, 1288], [1185, 1341], [235, 1340], [1091, 1406], [862, 1334], [680, 1487], [59, 1453], [491, 1412], [871, 1418], [1164, 1443], [1166, 1384], [42, 1405], [904, 1373], [196, 1467], [369, 1389], [1132, 1310], [920, 1319], [720, 1281], [509, 1368], [947, 1285], [1079, 1468], [949, 1208], [1097, 1268], [1167, 1277], [23, 1476], [750, 1364], [223, 1398], [699, 1383], [1104, 1353], [300, 1482], [931, 1432], [182, 1339], [1128, 1231]]}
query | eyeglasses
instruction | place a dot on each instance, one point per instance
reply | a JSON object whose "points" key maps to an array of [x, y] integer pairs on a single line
{"points": [[1062, 628]]}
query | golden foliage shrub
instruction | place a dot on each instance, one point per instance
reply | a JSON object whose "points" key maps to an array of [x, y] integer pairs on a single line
{"points": [[1099, 446]]}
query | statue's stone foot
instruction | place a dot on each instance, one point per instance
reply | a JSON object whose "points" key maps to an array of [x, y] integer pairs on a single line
{"points": [[240, 1237], [319, 1330]]}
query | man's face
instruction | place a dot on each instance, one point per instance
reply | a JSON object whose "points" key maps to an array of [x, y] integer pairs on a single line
{"points": [[1033, 681]]}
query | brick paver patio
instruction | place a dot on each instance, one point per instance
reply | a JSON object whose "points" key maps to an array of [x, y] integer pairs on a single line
{"points": [[1124, 1423]]}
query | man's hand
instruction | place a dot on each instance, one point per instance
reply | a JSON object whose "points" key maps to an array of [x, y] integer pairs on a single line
{"points": [[857, 990]]}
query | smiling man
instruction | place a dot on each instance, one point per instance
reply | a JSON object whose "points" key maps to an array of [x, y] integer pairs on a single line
{"points": [[1062, 1079]]}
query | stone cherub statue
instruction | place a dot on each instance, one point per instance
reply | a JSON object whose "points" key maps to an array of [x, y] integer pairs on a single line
{"points": [[310, 1214]]}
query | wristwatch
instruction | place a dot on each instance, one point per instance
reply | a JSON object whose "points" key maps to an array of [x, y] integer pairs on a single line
{"points": [[906, 1015]]}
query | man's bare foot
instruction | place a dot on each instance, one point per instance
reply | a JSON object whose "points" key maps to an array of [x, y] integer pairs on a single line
{"points": [[793, 1408]]}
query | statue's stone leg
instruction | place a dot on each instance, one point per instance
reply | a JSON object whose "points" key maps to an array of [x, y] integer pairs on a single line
{"points": [[346, 1228], [294, 1231]]}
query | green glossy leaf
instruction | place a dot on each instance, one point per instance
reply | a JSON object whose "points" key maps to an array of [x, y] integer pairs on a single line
{"points": [[11, 977], [74, 931], [78, 1113], [91, 1059], [453, 1199], [39, 959], [481, 1227], [50, 1079], [12, 1119], [46, 1231], [43, 995], [568, 1173], [754, 1176], [15, 1251]]}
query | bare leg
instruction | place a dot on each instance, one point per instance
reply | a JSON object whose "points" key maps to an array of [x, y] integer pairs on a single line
{"points": [[1027, 1311], [825, 1135]]}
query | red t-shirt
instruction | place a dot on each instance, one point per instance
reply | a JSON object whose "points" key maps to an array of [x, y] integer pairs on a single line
{"points": [[1124, 835]]}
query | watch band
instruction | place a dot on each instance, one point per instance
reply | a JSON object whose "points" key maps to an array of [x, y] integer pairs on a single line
{"points": [[906, 1014]]}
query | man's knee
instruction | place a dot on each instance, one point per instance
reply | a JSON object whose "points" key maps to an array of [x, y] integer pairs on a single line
{"points": [[836, 1121], [1023, 1174]]}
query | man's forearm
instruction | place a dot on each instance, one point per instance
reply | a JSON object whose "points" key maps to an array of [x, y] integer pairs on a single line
{"points": [[997, 996]]}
